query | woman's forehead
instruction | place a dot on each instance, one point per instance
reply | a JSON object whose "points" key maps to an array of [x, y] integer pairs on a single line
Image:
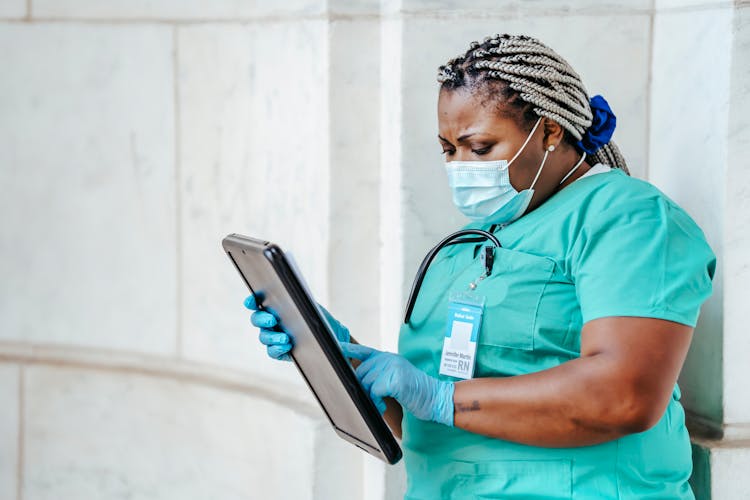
{"points": [[461, 112]]}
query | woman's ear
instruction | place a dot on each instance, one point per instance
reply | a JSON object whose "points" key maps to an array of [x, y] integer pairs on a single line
{"points": [[553, 133]]}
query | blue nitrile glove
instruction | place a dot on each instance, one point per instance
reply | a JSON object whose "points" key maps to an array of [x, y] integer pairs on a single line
{"points": [[384, 374], [341, 332], [278, 343]]}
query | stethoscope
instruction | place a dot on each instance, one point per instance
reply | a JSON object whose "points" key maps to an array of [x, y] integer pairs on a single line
{"points": [[453, 239]]}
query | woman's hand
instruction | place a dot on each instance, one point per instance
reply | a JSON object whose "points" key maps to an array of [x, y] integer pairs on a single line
{"points": [[278, 342], [384, 374]]}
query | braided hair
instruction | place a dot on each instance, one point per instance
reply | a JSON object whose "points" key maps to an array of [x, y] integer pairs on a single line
{"points": [[528, 79]]}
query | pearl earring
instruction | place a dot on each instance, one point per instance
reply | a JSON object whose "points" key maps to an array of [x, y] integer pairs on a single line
{"points": [[551, 147]]}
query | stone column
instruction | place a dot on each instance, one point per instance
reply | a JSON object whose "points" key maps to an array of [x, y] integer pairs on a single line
{"points": [[699, 145]]}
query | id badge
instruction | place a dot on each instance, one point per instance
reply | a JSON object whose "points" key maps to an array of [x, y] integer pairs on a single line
{"points": [[465, 312]]}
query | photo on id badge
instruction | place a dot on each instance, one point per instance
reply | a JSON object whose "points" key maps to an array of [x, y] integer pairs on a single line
{"points": [[465, 312]]}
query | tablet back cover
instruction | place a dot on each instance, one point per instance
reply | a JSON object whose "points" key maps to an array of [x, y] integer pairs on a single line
{"points": [[316, 352]]}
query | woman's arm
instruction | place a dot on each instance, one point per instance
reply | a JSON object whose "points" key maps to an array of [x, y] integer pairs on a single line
{"points": [[620, 385]]}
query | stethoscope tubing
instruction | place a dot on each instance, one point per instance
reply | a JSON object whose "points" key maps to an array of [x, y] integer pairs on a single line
{"points": [[451, 239]]}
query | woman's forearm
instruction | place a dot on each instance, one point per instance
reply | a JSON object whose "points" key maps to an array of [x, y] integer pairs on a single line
{"points": [[579, 403], [621, 384]]}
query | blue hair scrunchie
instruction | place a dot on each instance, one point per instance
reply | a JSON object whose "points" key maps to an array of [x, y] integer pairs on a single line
{"points": [[602, 126]]}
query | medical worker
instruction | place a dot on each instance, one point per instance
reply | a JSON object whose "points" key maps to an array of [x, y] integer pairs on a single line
{"points": [[545, 367]]}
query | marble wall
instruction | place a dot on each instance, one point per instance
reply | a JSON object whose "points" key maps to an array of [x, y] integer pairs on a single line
{"points": [[130, 145], [702, 167], [737, 226], [690, 163], [94, 434], [135, 135]]}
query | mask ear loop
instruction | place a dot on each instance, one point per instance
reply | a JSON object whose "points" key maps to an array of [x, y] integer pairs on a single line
{"points": [[538, 172], [574, 168], [546, 153], [528, 138]]}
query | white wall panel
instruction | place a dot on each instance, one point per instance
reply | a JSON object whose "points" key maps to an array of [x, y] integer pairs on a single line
{"points": [[92, 434], [254, 160], [87, 247]]}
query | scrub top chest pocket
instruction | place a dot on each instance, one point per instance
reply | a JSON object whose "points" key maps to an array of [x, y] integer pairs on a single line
{"points": [[506, 340], [512, 297]]}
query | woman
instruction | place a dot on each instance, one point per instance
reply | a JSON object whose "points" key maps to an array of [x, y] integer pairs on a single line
{"points": [[580, 324]]}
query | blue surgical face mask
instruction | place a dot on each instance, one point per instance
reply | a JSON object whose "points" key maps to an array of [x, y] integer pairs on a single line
{"points": [[482, 190]]}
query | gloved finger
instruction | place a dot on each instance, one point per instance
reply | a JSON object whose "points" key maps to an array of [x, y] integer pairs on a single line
{"points": [[368, 378], [271, 337], [357, 351], [327, 314], [370, 369], [340, 331], [329, 317], [263, 319], [278, 351], [362, 370], [374, 362], [379, 404], [251, 302], [380, 388]]}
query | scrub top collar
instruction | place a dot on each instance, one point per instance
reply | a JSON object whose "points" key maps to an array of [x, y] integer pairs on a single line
{"points": [[549, 204]]}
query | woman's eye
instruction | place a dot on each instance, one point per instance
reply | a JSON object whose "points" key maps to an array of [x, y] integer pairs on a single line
{"points": [[482, 151], [447, 152]]}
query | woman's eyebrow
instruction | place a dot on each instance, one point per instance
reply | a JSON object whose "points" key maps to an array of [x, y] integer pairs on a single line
{"points": [[460, 139]]}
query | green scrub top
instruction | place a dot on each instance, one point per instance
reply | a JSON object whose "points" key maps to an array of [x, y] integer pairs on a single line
{"points": [[605, 245]]}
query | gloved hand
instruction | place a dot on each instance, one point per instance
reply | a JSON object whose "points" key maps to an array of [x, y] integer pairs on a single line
{"points": [[278, 343], [385, 374]]}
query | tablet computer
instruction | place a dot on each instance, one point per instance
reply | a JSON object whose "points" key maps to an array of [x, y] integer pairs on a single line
{"points": [[278, 287]]}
